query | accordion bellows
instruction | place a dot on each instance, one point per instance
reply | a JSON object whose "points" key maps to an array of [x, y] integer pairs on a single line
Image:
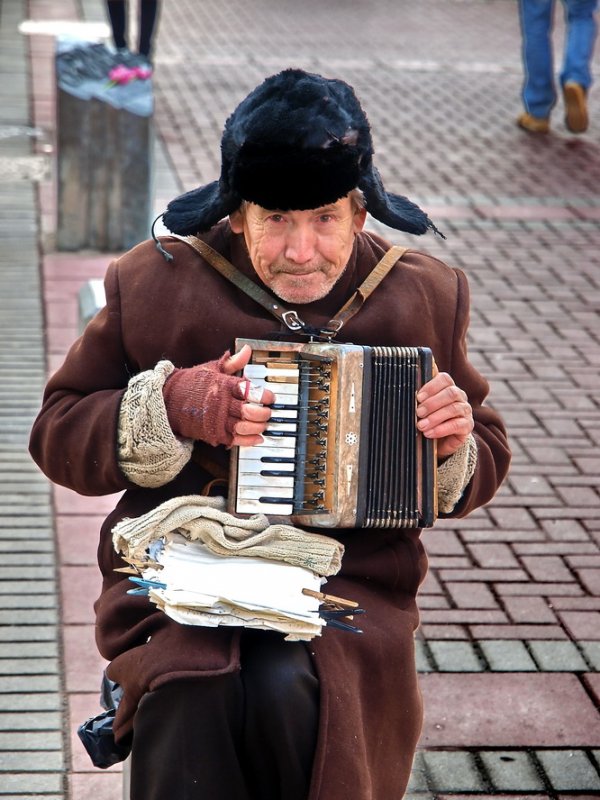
{"points": [[342, 449]]}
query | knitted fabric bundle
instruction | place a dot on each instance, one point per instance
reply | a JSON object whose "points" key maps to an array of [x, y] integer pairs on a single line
{"points": [[204, 519]]}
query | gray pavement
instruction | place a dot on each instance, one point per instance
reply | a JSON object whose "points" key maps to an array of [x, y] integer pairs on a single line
{"points": [[509, 647]]}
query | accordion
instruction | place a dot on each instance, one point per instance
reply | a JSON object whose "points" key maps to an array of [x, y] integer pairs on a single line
{"points": [[342, 449]]}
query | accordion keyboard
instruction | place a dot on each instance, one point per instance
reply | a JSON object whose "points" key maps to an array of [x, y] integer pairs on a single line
{"points": [[341, 448]]}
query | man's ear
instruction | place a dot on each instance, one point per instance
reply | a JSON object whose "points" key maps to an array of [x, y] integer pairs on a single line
{"points": [[360, 217], [236, 220]]}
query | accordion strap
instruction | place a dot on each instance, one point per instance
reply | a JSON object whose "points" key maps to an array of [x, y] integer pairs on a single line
{"points": [[290, 317]]}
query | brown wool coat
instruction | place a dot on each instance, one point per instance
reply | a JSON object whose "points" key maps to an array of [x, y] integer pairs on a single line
{"points": [[185, 312]]}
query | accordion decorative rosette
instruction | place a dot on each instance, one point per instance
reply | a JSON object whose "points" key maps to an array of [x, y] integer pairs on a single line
{"points": [[342, 448]]}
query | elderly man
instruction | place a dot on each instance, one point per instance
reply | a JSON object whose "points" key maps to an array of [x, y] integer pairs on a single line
{"points": [[148, 401]]}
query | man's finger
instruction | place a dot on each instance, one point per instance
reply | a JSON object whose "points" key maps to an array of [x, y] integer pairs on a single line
{"points": [[238, 361]]}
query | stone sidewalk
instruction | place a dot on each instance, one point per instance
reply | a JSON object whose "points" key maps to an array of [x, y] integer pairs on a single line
{"points": [[509, 647]]}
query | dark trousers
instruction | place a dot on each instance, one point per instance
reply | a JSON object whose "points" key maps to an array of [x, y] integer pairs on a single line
{"points": [[148, 12], [249, 735]]}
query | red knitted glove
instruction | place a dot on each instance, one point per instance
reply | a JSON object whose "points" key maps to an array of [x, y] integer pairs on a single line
{"points": [[201, 402]]}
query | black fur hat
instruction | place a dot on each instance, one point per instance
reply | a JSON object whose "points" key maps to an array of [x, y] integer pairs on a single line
{"points": [[297, 141]]}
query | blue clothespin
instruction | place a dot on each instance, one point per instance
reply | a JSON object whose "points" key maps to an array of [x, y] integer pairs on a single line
{"points": [[148, 584]]}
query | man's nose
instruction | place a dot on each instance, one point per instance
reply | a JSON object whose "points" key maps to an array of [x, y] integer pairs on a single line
{"points": [[300, 244]]}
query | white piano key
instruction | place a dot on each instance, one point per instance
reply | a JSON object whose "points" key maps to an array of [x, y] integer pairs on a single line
{"points": [[256, 492], [255, 466], [286, 391], [278, 442], [284, 450], [260, 372], [285, 427], [285, 413], [264, 483], [250, 506]]}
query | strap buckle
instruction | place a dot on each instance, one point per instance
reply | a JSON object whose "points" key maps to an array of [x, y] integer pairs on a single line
{"points": [[292, 320], [334, 326]]}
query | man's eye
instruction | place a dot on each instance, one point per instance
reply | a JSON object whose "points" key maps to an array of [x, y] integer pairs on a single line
{"points": [[276, 218], [325, 218]]}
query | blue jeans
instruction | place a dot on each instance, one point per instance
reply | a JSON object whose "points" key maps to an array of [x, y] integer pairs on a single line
{"points": [[539, 91]]}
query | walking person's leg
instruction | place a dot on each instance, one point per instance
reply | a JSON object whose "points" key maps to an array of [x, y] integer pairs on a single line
{"points": [[539, 92], [576, 75], [148, 22], [117, 14]]}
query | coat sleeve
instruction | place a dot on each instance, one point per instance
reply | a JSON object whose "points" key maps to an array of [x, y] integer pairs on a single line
{"points": [[74, 438], [493, 451]]}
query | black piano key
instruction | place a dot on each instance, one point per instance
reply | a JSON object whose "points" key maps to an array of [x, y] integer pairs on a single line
{"points": [[275, 500], [280, 434], [277, 473], [284, 406], [278, 460]]}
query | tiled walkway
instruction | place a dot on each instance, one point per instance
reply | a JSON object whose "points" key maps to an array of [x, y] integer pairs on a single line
{"points": [[509, 647]]}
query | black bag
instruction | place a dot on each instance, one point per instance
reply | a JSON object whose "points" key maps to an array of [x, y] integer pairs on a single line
{"points": [[96, 733]]}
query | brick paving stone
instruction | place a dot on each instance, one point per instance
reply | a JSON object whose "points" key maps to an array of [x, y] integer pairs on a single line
{"points": [[30, 740], [508, 518], [582, 624], [32, 720], [517, 632], [512, 770], [489, 575], [507, 710], [493, 796], [569, 769], [575, 603], [547, 568], [499, 535], [22, 761], [433, 601], [103, 786], [590, 578], [592, 682], [452, 771], [443, 631], [471, 595], [15, 684], [557, 656], [592, 652], [83, 664], [443, 542], [507, 656], [555, 548], [452, 656], [26, 784], [462, 616], [544, 589], [418, 777], [528, 609]]}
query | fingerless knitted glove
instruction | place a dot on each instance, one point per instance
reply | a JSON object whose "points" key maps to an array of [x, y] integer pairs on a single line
{"points": [[201, 402]]}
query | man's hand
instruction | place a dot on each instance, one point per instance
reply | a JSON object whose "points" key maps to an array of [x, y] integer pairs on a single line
{"points": [[208, 403], [444, 413], [254, 415]]}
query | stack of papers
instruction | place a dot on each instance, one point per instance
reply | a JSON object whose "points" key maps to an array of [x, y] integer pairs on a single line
{"points": [[196, 587]]}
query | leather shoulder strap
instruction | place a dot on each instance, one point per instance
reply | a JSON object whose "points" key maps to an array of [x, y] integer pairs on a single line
{"points": [[290, 318]]}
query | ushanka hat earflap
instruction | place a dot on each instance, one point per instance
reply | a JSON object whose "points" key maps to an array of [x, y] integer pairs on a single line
{"points": [[298, 141]]}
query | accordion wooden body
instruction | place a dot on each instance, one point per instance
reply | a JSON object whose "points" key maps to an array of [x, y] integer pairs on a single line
{"points": [[342, 449]]}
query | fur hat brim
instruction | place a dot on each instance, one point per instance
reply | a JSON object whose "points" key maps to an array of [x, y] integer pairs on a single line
{"points": [[198, 210]]}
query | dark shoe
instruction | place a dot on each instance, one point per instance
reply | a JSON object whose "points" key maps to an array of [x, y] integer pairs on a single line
{"points": [[533, 124], [576, 113]]}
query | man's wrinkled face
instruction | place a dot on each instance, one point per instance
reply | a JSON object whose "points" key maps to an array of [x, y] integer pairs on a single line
{"points": [[300, 255]]}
